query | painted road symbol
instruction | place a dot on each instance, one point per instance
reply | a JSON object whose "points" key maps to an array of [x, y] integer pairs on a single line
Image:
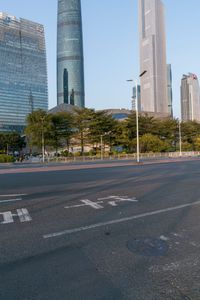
{"points": [[112, 201], [8, 217]]}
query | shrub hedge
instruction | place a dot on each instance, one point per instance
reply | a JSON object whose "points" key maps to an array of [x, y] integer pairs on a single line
{"points": [[6, 158]]}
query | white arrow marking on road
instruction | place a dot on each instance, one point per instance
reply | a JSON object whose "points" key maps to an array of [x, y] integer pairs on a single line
{"points": [[95, 205], [118, 199], [23, 214]]}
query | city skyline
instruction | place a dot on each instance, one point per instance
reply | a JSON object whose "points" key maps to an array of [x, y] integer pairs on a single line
{"points": [[152, 39], [107, 87], [70, 60]]}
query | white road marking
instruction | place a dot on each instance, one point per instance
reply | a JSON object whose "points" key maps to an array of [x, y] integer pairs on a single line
{"points": [[117, 199], [87, 202], [96, 205], [117, 221], [22, 214], [13, 195], [92, 204], [10, 200], [7, 217], [164, 238]]}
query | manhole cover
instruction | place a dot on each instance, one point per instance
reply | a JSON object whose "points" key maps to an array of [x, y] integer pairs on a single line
{"points": [[148, 246]]}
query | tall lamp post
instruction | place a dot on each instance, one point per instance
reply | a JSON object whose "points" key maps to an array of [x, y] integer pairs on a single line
{"points": [[101, 146], [137, 115], [180, 138], [43, 150]]}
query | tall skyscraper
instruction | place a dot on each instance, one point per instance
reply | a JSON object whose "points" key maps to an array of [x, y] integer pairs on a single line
{"points": [[190, 98], [70, 71], [169, 90], [153, 56], [23, 71], [138, 97]]}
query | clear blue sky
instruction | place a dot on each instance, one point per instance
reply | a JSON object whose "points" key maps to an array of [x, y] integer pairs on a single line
{"points": [[111, 45]]}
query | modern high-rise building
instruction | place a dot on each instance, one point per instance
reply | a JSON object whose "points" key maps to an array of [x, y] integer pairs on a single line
{"points": [[153, 56], [23, 71], [70, 70], [169, 90], [190, 98]]}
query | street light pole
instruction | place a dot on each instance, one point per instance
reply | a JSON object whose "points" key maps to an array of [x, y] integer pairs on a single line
{"points": [[180, 138], [137, 116], [101, 147], [43, 150], [137, 123]]}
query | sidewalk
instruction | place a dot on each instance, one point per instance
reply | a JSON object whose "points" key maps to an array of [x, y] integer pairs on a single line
{"points": [[94, 165]]}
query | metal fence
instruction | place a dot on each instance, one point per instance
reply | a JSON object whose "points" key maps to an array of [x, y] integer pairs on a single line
{"points": [[122, 157]]}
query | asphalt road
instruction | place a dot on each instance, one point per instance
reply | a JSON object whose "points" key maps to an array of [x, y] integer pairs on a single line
{"points": [[130, 232]]}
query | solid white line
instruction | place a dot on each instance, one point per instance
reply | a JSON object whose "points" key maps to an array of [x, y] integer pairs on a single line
{"points": [[10, 200], [13, 195], [101, 224]]}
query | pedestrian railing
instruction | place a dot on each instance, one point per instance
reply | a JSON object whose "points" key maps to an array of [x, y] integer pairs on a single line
{"points": [[122, 157]]}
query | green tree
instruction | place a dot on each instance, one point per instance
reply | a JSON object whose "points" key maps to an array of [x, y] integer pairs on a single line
{"points": [[11, 142], [102, 126], [38, 126], [190, 131], [82, 119], [152, 143], [168, 130], [61, 129]]}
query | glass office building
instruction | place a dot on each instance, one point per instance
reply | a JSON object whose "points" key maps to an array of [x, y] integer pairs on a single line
{"points": [[23, 71], [70, 71]]}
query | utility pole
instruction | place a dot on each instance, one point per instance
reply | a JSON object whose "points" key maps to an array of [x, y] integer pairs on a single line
{"points": [[101, 147], [137, 116], [180, 138]]}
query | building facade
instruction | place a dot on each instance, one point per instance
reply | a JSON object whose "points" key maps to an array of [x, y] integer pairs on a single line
{"points": [[190, 98], [153, 56], [23, 71], [136, 97], [169, 90], [70, 70]]}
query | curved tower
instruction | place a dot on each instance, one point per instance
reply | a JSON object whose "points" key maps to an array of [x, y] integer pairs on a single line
{"points": [[70, 70]]}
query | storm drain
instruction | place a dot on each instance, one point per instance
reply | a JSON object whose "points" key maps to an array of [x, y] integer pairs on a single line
{"points": [[148, 246]]}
